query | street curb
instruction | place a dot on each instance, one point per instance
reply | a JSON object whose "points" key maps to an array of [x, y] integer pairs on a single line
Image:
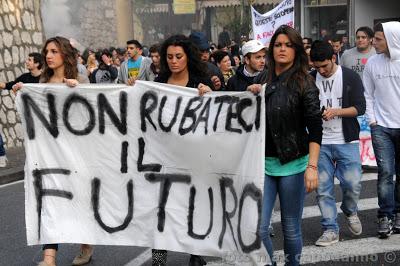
{"points": [[12, 175]]}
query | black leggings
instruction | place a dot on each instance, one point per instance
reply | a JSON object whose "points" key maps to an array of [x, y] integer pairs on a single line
{"points": [[50, 246], [159, 257]]}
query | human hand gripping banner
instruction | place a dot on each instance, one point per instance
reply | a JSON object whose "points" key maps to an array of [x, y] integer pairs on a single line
{"points": [[152, 165], [265, 25]]}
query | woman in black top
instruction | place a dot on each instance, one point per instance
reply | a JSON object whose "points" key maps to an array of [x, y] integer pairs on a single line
{"points": [[292, 138], [181, 65]]}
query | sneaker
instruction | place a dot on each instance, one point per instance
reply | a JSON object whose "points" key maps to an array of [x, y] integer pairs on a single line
{"points": [[271, 231], [196, 260], [354, 224], [396, 225], [385, 227], [328, 238], [84, 257], [3, 161]]}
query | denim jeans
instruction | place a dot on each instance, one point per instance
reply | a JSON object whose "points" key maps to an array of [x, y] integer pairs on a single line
{"points": [[2, 150], [290, 190], [386, 143], [341, 161]]}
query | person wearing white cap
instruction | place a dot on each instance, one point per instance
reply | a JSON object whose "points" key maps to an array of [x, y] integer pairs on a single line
{"points": [[254, 53], [381, 79]]}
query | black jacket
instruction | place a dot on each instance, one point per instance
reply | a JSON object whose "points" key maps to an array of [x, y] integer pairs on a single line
{"points": [[104, 74], [353, 96], [239, 81], [293, 118], [25, 78]]}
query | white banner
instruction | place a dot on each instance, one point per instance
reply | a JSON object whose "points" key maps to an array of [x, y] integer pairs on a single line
{"points": [[264, 25], [153, 165]]}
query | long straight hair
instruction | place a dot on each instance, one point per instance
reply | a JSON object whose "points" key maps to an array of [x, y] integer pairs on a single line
{"points": [[299, 70], [68, 54]]}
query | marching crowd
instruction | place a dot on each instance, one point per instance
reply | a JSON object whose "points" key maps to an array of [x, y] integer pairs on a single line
{"points": [[314, 92]]}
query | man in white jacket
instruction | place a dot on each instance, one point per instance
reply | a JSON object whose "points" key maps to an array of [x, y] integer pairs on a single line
{"points": [[382, 93]]}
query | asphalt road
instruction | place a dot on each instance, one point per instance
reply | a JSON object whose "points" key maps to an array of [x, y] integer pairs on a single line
{"points": [[366, 249]]}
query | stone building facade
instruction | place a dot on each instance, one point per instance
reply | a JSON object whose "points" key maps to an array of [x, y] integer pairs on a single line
{"points": [[20, 34], [105, 23], [98, 20]]}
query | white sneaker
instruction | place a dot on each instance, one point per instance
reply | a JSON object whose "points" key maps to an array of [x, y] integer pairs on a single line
{"points": [[328, 238], [354, 224], [3, 161]]}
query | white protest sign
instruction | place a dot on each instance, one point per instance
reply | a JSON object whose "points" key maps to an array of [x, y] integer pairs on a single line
{"points": [[152, 165], [264, 25]]}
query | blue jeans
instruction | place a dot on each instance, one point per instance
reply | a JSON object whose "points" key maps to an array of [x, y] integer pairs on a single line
{"points": [[386, 143], [2, 150], [290, 190], [341, 161]]}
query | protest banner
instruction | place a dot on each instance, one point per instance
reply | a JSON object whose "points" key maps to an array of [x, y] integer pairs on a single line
{"points": [[152, 165], [264, 25]]}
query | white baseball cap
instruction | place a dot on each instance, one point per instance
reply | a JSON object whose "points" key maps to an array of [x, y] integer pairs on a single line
{"points": [[252, 46]]}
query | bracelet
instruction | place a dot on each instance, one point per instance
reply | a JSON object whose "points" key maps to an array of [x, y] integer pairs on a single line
{"points": [[312, 167]]}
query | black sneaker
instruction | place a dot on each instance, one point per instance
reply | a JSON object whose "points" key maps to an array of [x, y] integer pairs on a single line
{"points": [[272, 232], [196, 260], [385, 227], [396, 225]]}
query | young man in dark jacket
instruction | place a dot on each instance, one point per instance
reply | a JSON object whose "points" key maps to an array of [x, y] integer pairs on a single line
{"points": [[342, 100], [254, 53], [34, 64], [106, 72]]}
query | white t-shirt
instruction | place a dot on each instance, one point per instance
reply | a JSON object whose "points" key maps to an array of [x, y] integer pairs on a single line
{"points": [[330, 96]]}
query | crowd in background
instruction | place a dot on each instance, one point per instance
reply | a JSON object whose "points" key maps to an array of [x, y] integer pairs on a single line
{"points": [[314, 91]]}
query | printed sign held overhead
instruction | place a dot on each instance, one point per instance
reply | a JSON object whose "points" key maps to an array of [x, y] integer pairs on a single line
{"points": [[264, 25]]}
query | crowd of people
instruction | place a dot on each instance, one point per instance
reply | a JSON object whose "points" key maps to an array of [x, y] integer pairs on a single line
{"points": [[314, 92]]}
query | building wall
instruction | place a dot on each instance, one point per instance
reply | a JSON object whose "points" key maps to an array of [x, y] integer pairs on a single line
{"points": [[366, 11], [98, 23], [20, 34]]}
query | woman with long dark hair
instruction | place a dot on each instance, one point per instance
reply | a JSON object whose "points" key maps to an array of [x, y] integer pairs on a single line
{"points": [[292, 138], [60, 66], [180, 65]]}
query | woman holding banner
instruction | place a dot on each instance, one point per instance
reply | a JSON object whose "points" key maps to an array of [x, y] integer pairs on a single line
{"points": [[181, 65], [292, 138], [60, 66]]}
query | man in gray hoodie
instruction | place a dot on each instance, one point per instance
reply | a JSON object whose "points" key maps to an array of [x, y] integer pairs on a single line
{"points": [[137, 67], [382, 94]]}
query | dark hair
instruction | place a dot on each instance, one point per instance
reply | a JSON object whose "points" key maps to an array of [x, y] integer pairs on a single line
{"points": [[106, 52], [100, 53], [120, 51], [221, 46], [309, 40], [219, 55], [299, 73], [136, 43], [321, 51], [195, 65], [336, 38], [378, 27], [366, 30], [235, 50], [37, 59], [155, 48], [68, 55]]}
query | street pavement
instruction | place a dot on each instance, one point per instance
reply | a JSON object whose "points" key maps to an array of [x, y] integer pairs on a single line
{"points": [[366, 249]]}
